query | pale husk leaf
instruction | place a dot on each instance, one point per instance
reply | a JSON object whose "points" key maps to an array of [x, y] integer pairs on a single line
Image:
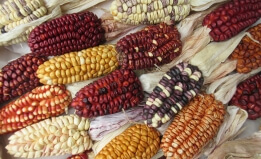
{"points": [[150, 80], [200, 5]]}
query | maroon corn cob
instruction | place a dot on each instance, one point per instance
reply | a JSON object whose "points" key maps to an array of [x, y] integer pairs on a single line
{"points": [[248, 96], [154, 45], [231, 18], [108, 95], [19, 76], [72, 32]]}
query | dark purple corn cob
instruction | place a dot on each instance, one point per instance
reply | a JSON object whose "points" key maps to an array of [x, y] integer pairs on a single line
{"points": [[176, 88], [108, 95]]}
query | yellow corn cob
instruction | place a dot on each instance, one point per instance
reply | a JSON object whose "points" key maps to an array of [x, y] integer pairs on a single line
{"points": [[78, 66], [138, 141], [149, 11], [193, 127], [51, 137]]}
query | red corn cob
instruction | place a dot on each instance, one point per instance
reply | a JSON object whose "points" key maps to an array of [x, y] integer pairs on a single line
{"points": [[154, 45], [231, 18], [72, 32], [19, 76], [120, 89], [80, 156], [248, 96], [41, 103]]}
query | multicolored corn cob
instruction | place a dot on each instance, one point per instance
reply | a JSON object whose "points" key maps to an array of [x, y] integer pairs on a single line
{"points": [[231, 18], [19, 76], [119, 90], [51, 137], [138, 141], [149, 11], [71, 32], [193, 127], [79, 66], [41, 103], [154, 45], [174, 91], [248, 96]]}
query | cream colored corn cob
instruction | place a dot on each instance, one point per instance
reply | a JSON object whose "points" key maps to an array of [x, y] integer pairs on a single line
{"points": [[51, 137], [149, 11], [78, 66]]}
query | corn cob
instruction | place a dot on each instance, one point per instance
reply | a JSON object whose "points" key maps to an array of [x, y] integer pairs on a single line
{"points": [[154, 45], [41, 103], [150, 11], [138, 141], [176, 88], [108, 95], [79, 66], [72, 32], [51, 137], [231, 18], [256, 32], [193, 127], [80, 156], [248, 96], [19, 76]]}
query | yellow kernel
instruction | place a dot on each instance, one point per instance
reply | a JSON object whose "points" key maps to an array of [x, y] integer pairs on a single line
{"points": [[93, 60], [77, 78], [84, 68], [68, 64], [102, 62], [111, 63], [93, 66], [72, 71], [64, 80], [107, 60], [52, 75], [63, 74], [88, 60], [67, 72], [63, 66], [73, 79], [94, 53], [109, 54], [101, 68], [60, 80], [89, 68], [85, 77], [52, 66], [77, 68], [98, 58], [58, 65], [69, 80], [106, 66], [104, 55], [58, 73], [97, 66]]}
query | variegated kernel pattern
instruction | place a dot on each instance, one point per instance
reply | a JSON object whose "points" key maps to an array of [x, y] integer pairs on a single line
{"points": [[79, 66], [41, 103], [149, 11], [51, 137], [138, 141], [176, 88], [193, 127]]}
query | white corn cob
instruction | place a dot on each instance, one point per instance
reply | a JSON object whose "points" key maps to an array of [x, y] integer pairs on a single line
{"points": [[149, 11], [51, 137]]}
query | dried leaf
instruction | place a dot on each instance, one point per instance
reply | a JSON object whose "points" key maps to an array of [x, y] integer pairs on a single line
{"points": [[200, 5], [150, 80]]}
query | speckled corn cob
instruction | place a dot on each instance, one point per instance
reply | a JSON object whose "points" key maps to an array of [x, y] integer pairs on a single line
{"points": [[71, 32], [19, 76], [154, 45], [51, 137], [41, 103], [174, 91], [119, 90], [231, 18], [138, 141], [248, 96], [149, 11], [193, 127], [79, 66]]}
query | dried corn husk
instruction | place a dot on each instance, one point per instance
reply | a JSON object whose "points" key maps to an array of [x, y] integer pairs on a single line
{"points": [[200, 5], [247, 148], [224, 88], [103, 125]]}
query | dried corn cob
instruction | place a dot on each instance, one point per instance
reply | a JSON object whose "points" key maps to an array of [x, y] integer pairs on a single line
{"points": [[149, 12], [41, 103], [19, 76], [138, 141], [231, 18], [108, 95], [51, 137], [176, 88], [72, 32], [193, 127], [248, 96], [256, 32], [79, 66], [156, 44]]}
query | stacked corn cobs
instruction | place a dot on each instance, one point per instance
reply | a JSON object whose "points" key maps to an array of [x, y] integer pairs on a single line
{"points": [[231, 18], [155, 45], [193, 127], [72, 32], [51, 137], [176, 88], [41, 103], [149, 11], [19, 76], [248, 96], [79, 66], [138, 141], [119, 90]]}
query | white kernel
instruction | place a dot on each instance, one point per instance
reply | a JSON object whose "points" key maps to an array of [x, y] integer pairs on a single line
{"points": [[174, 110]]}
